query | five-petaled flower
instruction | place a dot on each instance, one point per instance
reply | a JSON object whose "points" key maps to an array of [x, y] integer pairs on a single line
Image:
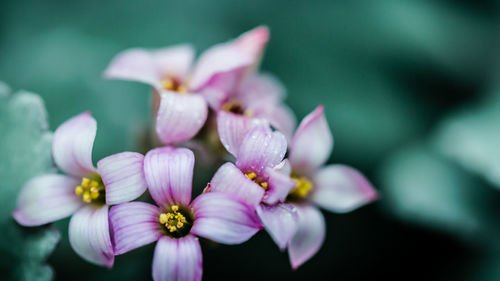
{"points": [[80, 193], [257, 100], [337, 188], [186, 89], [260, 178], [176, 221]]}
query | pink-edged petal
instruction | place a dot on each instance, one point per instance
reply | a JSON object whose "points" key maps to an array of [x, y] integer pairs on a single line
{"points": [[261, 148], [134, 225], [89, 235], [230, 179], [174, 61], [340, 189], [224, 218], [72, 145], [232, 129], [123, 176], [279, 186], [169, 175], [280, 221], [312, 143], [309, 236], [180, 116], [177, 259], [221, 68], [136, 65], [45, 199], [253, 42], [219, 59]]}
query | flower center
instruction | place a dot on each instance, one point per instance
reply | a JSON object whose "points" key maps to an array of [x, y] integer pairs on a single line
{"points": [[258, 180], [91, 190], [176, 222], [302, 189], [174, 84], [236, 107]]}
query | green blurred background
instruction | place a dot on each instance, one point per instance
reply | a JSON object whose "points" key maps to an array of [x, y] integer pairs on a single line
{"points": [[411, 91]]}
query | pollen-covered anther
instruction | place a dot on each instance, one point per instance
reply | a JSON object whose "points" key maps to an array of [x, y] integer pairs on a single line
{"points": [[173, 84], [258, 180], [302, 187], [173, 220], [90, 190]]}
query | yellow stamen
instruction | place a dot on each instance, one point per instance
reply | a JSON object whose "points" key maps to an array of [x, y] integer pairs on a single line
{"points": [[94, 194], [163, 218], [264, 185], [172, 84], [78, 190], [90, 189], [302, 187], [85, 182], [251, 175], [173, 220], [86, 197], [168, 84]]}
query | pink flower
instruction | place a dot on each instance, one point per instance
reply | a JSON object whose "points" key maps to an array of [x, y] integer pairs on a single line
{"points": [[260, 179], [258, 100], [80, 193], [185, 89], [176, 221], [336, 188]]}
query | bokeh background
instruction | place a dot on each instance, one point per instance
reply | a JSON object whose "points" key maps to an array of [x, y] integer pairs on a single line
{"points": [[412, 94]]}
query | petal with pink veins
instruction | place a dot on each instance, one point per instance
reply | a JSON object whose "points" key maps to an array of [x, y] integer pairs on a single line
{"points": [[309, 236], [261, 148], [230, 179], [180, 116], [89, 235], [169, 175], [177, 259], [232, 129], [280, 221], [340, 189], [45, 199], [133, 225], [72, 145], [312, 143], [224, 218], [123, 177], [279, 185], [135, 65]]}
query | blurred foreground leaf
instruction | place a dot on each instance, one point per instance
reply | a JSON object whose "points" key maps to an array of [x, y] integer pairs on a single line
{"points": [[25, 149], [472, 138], [422, 187]]}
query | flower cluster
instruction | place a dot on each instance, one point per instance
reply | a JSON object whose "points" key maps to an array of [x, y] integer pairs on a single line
{"points": [[222, 107]]}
